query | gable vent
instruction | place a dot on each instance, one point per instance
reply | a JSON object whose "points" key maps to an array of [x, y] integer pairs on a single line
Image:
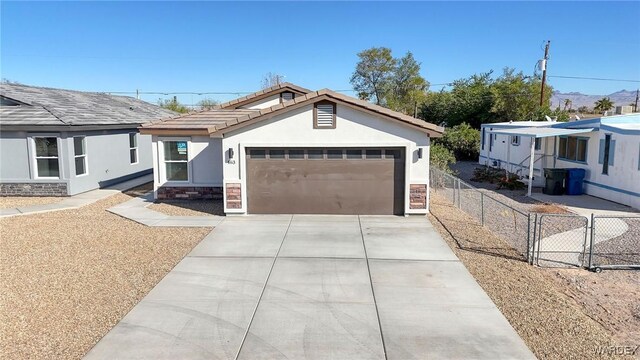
{"points": [[287, 96], [324, 115]]}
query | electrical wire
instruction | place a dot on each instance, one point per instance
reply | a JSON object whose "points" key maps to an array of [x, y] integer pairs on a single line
{"points": [[591, 78]]}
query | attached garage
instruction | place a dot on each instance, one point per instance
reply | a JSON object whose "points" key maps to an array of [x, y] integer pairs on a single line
{"points": [[290, 150], [325, 181]]}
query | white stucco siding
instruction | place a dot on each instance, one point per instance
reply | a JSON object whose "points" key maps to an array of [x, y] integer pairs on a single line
{"points": [[354, 128], [207, 160], [204, 157], [263, 103]]}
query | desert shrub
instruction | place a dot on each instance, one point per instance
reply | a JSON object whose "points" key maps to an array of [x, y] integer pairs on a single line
{"points": [[510, 182], [441, 157], [487, 174], [462, 140]]}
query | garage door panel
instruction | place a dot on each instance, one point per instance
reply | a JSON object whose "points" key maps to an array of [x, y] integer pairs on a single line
{"points": [[325, 186]]}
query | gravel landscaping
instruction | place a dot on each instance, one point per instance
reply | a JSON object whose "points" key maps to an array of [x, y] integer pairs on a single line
{"points": [[189, 207], [10, 202], [69, 276], [553, 324]]}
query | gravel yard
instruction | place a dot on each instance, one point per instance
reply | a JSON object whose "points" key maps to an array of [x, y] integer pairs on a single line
{"points": [[189, 207], [69, 276], [553, 324], [10, 202]]}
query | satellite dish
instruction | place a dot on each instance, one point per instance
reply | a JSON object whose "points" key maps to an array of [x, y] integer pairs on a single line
{"points": [[577, 117], [548, 118]]}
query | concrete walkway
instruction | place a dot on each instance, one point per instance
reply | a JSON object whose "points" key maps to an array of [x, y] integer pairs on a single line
{"points": [[316, 287], [136, 210], [79, 200]]}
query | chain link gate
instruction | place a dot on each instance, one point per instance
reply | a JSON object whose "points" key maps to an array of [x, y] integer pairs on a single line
{"points": [[560, 240]]}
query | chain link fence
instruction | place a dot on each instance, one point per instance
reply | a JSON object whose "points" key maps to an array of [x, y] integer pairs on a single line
{"points": [[561, 240], [511, 224], [547, 240], [614, 242]]}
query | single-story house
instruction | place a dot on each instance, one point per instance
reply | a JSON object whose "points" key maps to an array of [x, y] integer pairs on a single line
{"points": [[607, 147], [287, 149], [58, 142]]}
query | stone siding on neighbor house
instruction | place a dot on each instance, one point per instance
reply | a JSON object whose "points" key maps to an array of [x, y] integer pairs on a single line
{"points": [[417, 196], [234, 196], [189, 193], [33, 189]]}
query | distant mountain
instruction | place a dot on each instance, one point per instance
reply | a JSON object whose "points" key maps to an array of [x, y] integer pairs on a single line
{"points": [[619, 98]]}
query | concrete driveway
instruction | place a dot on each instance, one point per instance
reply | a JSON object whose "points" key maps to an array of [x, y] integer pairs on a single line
{"points": [[316, 287]]}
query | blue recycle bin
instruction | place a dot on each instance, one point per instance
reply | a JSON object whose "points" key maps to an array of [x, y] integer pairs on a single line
{"points": [[575, 181]]}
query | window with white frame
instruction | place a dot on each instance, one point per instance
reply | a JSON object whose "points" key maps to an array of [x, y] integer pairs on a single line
{"points": [[538, 144], [80, 154], [133, 148], [572, 148], [46, 156], [515, 140], [176, 160]]}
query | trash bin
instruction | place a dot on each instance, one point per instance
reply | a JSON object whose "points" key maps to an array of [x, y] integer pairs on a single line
{"points": [[575, 180], [554, 181]]}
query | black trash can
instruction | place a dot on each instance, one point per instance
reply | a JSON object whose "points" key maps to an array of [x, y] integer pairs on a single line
{"points": [[554, 181]]}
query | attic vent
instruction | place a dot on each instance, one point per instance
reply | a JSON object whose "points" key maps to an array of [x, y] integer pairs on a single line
{"points": [[325, 116], [287, 96]]}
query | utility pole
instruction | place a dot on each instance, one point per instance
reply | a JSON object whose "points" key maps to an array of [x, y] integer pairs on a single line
{"points": [[635, 107], [544, 71], [137, 94]]}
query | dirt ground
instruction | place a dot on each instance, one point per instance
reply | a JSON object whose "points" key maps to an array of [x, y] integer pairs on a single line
{"points": [[189, 207], [612, 298], [560, 314], [69, 276], [9, 202]]}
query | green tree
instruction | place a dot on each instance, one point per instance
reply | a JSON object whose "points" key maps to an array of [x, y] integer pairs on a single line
{"points": [[516, 97], [408, 87], [207, 104], [462, 140], [584, 109], [441, 157], [173, 104], [373, 74], [603, 105]]}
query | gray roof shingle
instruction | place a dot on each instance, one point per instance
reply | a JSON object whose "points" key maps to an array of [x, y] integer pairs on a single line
{"points": [[47, 106]]}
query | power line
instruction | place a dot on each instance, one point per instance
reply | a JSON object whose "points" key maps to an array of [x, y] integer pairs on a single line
{"points": [[592, 78]]}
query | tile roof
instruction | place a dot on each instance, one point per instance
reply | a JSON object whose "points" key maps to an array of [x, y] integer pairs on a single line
{"points": [[223, 120], [263, 93], [47, 106]]}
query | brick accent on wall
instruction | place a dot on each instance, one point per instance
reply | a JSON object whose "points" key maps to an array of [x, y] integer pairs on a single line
{"points": [[234, 196], [417, 196], [189, 192], [33, 189]]}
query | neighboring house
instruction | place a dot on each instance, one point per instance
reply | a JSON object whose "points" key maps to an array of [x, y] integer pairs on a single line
{"points": [[61, 142], [608, 148], [289, 150]]}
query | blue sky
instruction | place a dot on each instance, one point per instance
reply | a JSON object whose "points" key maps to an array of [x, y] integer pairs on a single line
{"points": [[228, 47]]}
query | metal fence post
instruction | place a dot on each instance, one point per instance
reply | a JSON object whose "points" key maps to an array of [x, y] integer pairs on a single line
{"points": [[459, 197], [593, 229], [482, 208], [528, 236], [453, 190]]}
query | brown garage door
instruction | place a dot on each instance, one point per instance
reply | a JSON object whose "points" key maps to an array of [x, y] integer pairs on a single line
{"points": [[325, 181]]}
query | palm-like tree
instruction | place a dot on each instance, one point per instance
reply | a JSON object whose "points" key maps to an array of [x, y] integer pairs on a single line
{"points": [[567, 104], [603, 105]]}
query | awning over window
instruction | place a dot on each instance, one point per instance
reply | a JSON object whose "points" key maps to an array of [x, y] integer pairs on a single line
{"points": [[540, 132]]}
